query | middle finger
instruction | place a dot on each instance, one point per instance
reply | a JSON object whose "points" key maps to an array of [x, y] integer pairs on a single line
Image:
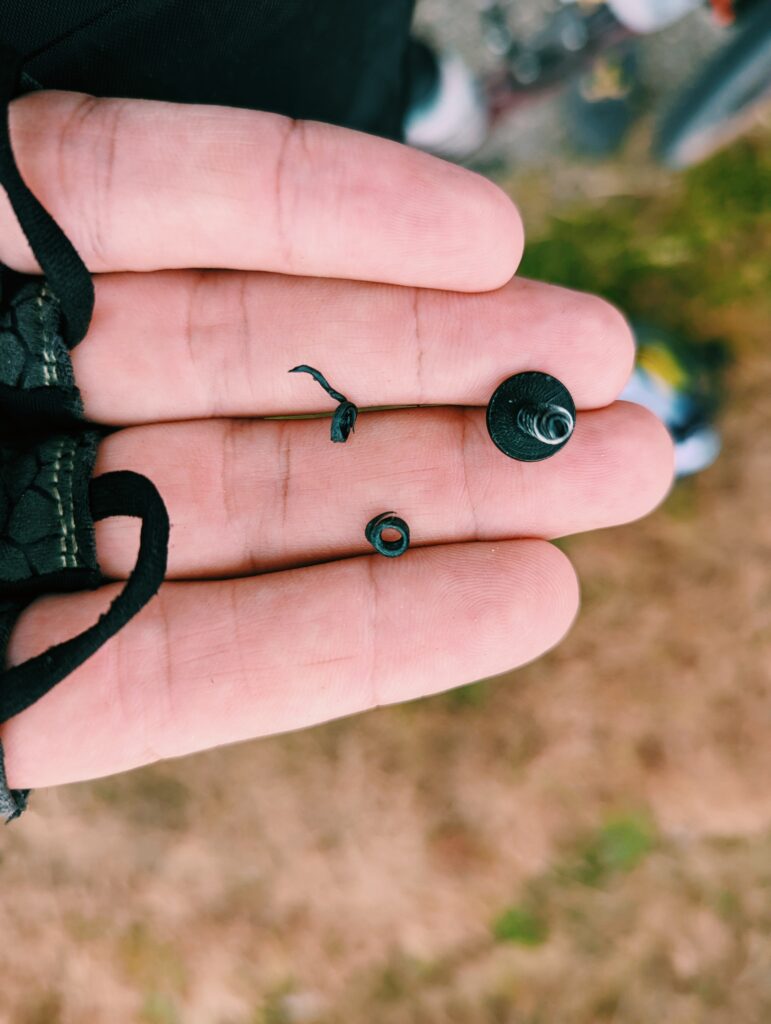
{"points": [[185, 344], [246, 496]]}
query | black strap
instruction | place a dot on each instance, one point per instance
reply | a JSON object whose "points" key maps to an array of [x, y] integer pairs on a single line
{"points": [[121, 493], [66, 272], [113, 494]]}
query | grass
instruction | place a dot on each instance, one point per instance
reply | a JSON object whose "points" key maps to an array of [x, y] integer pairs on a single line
{"points": [[701, 247], [616, 847], [150, 963], [522, 925]]}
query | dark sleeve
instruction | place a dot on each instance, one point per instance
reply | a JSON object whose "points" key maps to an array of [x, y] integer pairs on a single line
{"points": [[340, 61]]}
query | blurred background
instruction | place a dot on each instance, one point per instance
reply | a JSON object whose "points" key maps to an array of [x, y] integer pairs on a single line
{"points": [[586, 841]]}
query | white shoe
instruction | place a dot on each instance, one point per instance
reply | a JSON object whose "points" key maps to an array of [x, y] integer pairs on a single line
{"points": [[454, 121]]}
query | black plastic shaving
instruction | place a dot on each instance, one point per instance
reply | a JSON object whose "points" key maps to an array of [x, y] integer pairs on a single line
{"points": [[344, 417], [373, 531]]}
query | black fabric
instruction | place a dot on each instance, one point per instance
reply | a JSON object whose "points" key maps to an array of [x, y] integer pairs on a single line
{"points": [[340, 61], [47, 504], [12, 801], [113, 494], [36, 380], [46, 534]]}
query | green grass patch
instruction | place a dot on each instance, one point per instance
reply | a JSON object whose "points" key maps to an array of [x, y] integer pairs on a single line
{"points": [[521, 925], [705, 242], [472, 695], [617, 847]]}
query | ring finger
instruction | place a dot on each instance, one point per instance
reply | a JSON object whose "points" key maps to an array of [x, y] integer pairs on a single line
{"points": [[248, 496]]}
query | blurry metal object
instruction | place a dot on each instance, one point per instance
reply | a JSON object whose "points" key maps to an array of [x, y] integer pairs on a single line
{"points": [[728, 96]]}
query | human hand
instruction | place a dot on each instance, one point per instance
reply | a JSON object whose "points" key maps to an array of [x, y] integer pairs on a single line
{"points": [[277, 617]]}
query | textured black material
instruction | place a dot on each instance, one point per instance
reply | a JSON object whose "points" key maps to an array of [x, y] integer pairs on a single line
{"points": [[46, 532], [340, 61], [373, 531], [344, 418], [120, 493], [530, 389], [113, 494], [65, 271], [36, 380], [12, 801]]}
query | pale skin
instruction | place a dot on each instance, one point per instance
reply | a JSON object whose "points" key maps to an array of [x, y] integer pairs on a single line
{"points": [[391, 271]]}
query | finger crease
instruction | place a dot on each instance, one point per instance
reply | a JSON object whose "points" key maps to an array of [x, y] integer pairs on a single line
{"points": [[245, 338], [229, 473], [465, 419], [191, 328], [64, 163], [284, 235], [168, 717], [102, 206], [418, 344], [285, 475], [245, 678]]}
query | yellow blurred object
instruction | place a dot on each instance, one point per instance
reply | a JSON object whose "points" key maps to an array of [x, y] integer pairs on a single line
{"points": [[659, 361]]}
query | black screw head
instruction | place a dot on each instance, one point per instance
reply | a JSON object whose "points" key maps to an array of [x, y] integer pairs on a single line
{"points": [[531, 416]]}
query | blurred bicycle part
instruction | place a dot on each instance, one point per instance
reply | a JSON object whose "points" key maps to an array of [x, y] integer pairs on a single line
{"points": [[729, 95], [725, 98]]}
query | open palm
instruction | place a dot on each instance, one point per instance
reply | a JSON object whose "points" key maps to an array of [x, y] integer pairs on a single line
{"points": [[392, 272]]}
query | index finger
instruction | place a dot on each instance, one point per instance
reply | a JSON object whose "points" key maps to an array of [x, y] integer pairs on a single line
{"points": [[147, 185]]}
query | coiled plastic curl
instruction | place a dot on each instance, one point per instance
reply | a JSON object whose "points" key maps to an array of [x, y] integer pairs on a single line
{"points": [[373, 531], [344, 418]]}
